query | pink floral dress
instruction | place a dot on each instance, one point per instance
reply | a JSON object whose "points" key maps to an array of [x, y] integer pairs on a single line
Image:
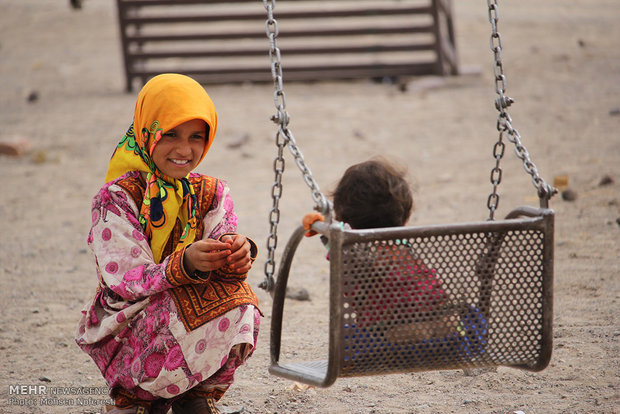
{"points": [[154, 331]]}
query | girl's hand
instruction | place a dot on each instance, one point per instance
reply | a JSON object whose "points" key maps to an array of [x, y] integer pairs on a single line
{"points": [[206, 255], [240, 260]]}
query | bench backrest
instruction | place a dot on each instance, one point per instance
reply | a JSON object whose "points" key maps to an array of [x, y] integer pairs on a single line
{"points": [[226, 41]]}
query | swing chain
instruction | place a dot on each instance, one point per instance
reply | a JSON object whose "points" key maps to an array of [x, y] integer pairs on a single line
{"points": [[505, 128], [284, 137], [274, 216]]}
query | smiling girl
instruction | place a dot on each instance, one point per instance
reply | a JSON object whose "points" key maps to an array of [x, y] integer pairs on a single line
{"points": [[172, 317]]}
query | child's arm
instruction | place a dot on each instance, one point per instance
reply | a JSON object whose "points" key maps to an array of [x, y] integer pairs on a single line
{"points": [[122, 252]]}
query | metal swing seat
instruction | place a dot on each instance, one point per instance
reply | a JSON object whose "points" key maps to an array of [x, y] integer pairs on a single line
{"points": [[419, 298]]}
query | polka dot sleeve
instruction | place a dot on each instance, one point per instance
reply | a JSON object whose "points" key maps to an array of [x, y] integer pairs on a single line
{"points": [[122, 253]]}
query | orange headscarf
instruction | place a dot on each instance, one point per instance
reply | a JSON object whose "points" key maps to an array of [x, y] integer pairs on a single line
{"points": [[163, 103]]}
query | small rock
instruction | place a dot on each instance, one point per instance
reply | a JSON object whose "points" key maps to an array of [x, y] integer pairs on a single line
{"points": [[606, 180], [32, 97], [618, 221], [15, 148], [236, 143], [359, 134], [231, 410], [581, 43], [474, 372], [569, 195], [45, 379], [614, 112], [298, 386], [300, 294], [39, 157]]}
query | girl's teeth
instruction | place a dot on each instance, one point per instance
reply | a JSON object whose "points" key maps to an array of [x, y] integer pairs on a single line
{"points": [[179, 162]]}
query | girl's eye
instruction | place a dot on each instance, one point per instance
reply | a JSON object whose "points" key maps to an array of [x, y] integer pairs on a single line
{"points": [[198, 137], [170, 134]]}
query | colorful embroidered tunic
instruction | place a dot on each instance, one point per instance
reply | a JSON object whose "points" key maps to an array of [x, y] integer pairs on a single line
{"points": [[153, 330]]}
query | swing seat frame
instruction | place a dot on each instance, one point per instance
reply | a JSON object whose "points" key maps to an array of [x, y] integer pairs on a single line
{"points": [[498, 276]]}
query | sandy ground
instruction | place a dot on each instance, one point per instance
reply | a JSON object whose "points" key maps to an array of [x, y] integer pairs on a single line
{"points": [[563, 66]]}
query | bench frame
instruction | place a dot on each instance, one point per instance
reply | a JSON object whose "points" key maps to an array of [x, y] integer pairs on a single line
{"points": [[220, 50]]}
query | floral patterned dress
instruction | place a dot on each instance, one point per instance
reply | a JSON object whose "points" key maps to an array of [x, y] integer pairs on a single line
{"points": [[154, 331]]}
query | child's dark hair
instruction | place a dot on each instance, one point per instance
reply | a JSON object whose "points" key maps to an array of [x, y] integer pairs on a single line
{"points": [[373, 194]]}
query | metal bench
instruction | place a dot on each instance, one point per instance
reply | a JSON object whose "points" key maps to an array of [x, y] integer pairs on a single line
{"points": [[226, 42]]}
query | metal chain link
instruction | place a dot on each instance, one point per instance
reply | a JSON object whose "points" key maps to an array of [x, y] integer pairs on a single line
{"points": [[284, 137], [505, 128]]}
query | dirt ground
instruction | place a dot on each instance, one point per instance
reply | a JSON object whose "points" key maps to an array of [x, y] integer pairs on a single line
{"points": [[62, 90]]}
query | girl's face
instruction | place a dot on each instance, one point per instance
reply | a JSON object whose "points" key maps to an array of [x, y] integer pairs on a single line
{"points": [[180, 149]]}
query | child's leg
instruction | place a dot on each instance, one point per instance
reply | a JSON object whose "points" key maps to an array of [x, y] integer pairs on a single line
{"points": [[218, 383], [201, 398], [141, 357]]}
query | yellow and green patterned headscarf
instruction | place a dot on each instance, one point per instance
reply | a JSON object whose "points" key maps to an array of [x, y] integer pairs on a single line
{"points": [[163, 103]]}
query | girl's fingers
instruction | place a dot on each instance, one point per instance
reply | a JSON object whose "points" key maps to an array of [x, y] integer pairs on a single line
{"points": [[240, 248], [211, 245], [231, 251], [208, 255], [239, 255], [213, 250], [239, 268], [217, 264], [238, 242], [239, 262], [243, 265], [207, 265], [215, 255]]}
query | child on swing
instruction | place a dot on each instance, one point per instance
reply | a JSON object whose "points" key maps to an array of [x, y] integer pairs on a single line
{"points": [[375, 194], [172, 317]]}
